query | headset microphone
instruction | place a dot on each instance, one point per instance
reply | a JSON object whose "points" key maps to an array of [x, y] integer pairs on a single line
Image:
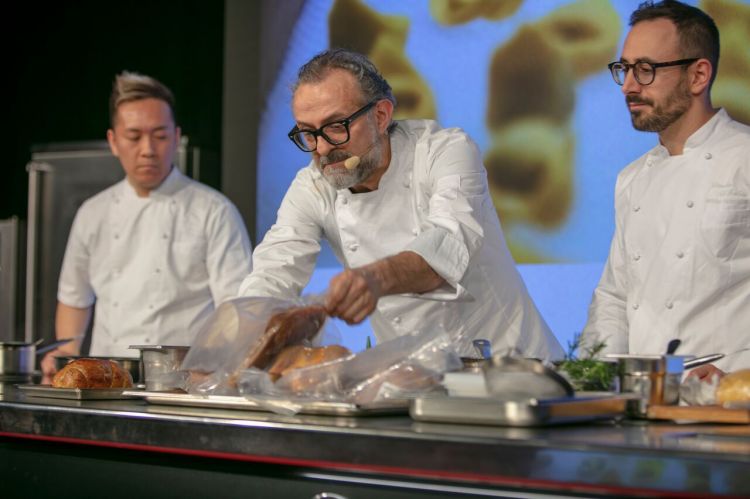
{"points": [[353, 161]]}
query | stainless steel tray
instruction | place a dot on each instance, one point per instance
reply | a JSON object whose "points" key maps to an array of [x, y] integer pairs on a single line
{"points": [[532, 412], [76, 393], [318, 407]]}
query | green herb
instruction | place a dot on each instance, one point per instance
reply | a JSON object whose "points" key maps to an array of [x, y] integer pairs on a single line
{"points": [[368, 345], [585, 371]]}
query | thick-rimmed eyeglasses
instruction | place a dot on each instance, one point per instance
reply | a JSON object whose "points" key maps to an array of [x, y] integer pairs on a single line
{"points": [[644, 72], [335, 132]]}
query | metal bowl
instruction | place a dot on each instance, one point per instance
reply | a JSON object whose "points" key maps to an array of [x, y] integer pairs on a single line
{"points": [[130, 364], [161, 365], [655, 379]]}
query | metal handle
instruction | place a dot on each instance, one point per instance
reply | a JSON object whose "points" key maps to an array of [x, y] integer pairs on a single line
{"points": [[699, 361]]}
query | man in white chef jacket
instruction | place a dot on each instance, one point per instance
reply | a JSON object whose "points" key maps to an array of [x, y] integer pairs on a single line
{"points": [[154, 253], [406, 209], [679, 264]]}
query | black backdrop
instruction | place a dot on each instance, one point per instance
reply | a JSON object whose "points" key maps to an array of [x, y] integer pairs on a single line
{"points": [[61, 58]]}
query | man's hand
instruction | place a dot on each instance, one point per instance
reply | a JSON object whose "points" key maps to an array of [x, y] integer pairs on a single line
{"points": [[49, 369], [706, 372], [353, 294]]}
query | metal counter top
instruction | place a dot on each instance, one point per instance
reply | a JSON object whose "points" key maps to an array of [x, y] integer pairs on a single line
{"points": [[597, 458]]}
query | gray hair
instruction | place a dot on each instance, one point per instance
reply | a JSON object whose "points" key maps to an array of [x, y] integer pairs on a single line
{"points": [[371, 82], [129, 86]]}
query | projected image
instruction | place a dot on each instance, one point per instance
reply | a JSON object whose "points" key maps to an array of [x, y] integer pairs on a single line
{"points": [[528, 81]]}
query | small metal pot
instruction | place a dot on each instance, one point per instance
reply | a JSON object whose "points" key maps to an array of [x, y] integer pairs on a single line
{"points": [[17, 357], [655, 379], [160, 365], [130, 364]]}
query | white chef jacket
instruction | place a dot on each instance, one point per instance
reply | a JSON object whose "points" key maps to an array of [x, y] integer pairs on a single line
{"points": [[679, 264], [433, 200], [156, 266]]}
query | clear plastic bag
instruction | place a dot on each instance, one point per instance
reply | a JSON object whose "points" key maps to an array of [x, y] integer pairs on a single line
{"points": [[221, 347], [404, 367]]}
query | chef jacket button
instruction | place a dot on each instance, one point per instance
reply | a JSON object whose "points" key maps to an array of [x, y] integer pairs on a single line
{"points": [[669, 305], [164, 236], [117, 200], [708, 155], [151, 306], [157, 270], [635, 306], [407, 184], [397, 320], [680, 254], [353, 247], [344, 201], [415, 232], [114, 304], [636, 257], [649, 163], [148, 340], [689, 204], [117, 236], [636, 208]]}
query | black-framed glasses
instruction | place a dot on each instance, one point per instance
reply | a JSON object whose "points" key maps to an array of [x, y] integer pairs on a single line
{"points": [[644, 72], [335, 132]]}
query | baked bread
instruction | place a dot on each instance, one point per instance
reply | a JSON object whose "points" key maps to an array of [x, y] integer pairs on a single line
{"points": [[92, 373], [734, 387], [298, 356], [289, 327]]}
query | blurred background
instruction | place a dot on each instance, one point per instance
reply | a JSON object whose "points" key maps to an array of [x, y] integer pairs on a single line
{"points": [[527, 79]]}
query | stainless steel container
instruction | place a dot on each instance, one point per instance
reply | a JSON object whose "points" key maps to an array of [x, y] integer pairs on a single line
{"points": [[17, 357], [655, 379], [161, 364]]}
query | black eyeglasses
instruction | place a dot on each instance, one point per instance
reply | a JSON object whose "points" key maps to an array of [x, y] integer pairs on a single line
{"points": [[644, 72], [335, 132]]}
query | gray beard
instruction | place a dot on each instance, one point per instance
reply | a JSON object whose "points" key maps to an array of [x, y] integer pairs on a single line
{"points": [[663, 116], [343, 178]]}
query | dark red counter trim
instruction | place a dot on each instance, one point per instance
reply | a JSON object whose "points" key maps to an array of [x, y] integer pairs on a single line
{"points": [[387, 470]]}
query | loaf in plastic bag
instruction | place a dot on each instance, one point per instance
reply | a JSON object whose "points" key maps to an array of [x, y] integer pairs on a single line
{"points": [[249, 333]]}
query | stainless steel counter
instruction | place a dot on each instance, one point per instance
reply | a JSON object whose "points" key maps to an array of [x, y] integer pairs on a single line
{"points": [[377, 456]]}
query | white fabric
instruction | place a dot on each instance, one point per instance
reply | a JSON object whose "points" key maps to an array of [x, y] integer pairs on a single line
{"points": [[679, 264], [432, 200], [155, 266]]}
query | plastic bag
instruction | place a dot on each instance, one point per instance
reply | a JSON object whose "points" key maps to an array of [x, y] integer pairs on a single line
{"points": [[222, 345], [404, 367]]}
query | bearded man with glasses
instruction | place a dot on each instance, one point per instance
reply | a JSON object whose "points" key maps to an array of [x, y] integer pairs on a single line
{"points": [[406, 208], [679, 263]]}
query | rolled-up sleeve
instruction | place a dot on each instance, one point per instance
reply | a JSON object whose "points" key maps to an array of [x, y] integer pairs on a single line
{"points": [[455, 191]]}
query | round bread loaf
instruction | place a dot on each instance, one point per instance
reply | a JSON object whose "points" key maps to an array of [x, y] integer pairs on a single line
{"points": [[298, 356], [92, 373], [734, 387]]}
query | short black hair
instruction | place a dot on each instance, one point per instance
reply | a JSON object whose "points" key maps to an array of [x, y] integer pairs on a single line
{"points": [[699, 36], [131, 86]]}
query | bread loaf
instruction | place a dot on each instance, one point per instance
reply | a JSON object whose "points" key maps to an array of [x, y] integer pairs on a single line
{"points": [[290, 327], [92, 373], [734, 387], [297, 357]]}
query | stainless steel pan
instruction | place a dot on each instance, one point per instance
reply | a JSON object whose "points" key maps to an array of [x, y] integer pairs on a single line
{"points": [[19, 357]]}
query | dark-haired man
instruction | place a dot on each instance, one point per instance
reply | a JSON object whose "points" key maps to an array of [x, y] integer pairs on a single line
{"points": [[156, 252], [679, 265]]}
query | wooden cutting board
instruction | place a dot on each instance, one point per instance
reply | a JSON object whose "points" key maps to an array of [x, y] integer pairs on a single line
{"points": [[701, 413]]}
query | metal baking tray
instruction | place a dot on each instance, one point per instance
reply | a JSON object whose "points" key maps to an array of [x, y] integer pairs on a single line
{"points": [[76, 393], [318, 407], [531, 412]]}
